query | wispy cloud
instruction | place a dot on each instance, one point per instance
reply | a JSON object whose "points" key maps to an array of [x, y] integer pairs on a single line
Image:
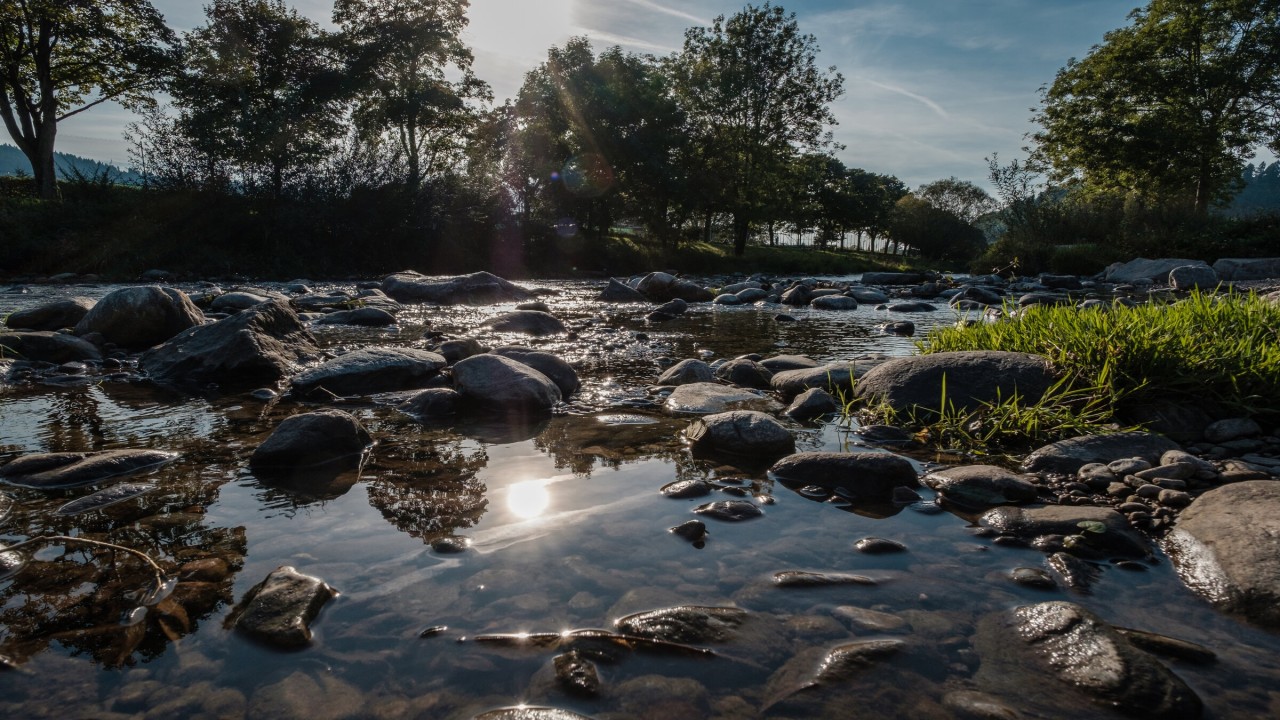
{"points": [[674, 12], [623, 40], [914, 96]]}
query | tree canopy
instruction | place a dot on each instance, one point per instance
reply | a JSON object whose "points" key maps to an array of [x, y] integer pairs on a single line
{"points": [[1170, 106], [59, 58]]}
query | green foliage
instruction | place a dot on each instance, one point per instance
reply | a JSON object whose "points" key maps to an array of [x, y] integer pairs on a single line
{"points": [[1170, 107], [934, 233], [959, 197], [59, 58], [1205, 349]]}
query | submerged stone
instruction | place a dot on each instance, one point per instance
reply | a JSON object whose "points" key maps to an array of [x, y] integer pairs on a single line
{"points": [[55, 471], [279, 610], [685, 624]]}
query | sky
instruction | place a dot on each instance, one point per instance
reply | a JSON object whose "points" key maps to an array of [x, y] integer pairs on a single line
{"points": [[932, 87]]}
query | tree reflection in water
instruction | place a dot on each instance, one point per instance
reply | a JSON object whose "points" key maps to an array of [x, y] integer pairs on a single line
{"points": [[428, 490]]}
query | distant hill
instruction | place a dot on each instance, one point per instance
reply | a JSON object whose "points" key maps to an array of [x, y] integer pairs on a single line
{"points": [[13, 162]]}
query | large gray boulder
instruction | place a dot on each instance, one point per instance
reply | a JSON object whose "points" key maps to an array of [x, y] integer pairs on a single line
{"points": [[560, 372], [661, 287], [55, 471], [971, 378], [1144, 270], [980, 486], [259, 346], [1062, 641], [56, 315], [368, 371], [529, 322], [1226, 547], [834, 302], [362, 317], [616, 291], [705, 398], [46, 346], [1193, 277], [745, 373], [689, 370], [1105, 532], [329, 438], [481, 288], [864, 476], [741, 432], [836, 378], [496, 382], [279, 610], [1237, 269], [1065, 457], [140, 317]]}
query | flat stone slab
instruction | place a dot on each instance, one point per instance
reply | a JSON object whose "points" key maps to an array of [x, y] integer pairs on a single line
{"points": [[741, 432], [48, 346], [868, 476], [1065, 457], [55, 471], [980, 486], [970, 379], [279, 610], [371, 370], [704, 398], [1226, 547]]}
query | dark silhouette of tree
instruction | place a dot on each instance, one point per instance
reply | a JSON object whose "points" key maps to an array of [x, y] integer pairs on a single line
{"points": [[754, 96], [58, 58], [961, 198], [1170, 107]]}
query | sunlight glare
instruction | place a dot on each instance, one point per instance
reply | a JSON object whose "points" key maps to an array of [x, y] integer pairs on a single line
{"points": [[520, 28], [528, 499]]}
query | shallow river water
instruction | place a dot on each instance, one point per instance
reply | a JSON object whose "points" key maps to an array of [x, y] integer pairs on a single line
{"points": [[567, 530]]}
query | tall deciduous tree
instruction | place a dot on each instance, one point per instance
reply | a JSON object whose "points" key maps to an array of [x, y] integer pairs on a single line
{"points": [[1171, 106], [416, 75], [262, 87], [59, 58], [755, 96], [959, 197]]}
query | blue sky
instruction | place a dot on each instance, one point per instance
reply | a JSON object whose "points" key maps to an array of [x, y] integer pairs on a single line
{"points": [[931, 86]]}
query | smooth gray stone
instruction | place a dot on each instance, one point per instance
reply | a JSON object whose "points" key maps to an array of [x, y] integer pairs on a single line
{"points": [[866, 476], [481, 288], [980, 486], [325, 437], [52, 316], [560, 372], [971, 379], [1240, 269], [528, 322], [689, 370], [47, 346], [741, 432], [618, 292], [1065, 457], [370, 370], [496, 382], [279, 610], [55, 471], [704, 398], [362, 317], [1117, 538], [140, 317]]}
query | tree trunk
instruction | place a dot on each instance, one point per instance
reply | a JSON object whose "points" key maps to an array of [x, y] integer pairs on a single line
{"points": [[706, 227], [1203, 186], [741, 227]]}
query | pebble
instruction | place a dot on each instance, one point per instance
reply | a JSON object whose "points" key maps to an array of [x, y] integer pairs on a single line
{"points": [[878, 546], [1174, 498], [1033, 578]]}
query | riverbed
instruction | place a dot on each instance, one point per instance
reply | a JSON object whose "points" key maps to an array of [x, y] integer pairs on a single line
{"points": [[561, 526]]}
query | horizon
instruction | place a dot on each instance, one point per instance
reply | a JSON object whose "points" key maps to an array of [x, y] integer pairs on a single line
{"points": [[931, 88]]}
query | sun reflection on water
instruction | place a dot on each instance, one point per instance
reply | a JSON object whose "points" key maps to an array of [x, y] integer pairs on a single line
{"points": [[529, 499]]}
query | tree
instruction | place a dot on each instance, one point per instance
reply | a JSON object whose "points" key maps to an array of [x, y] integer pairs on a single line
{"points": [[935, 233], [262, 87], [1170, 107], [959, 197], [404, 53], [754, 96], [58, 58]]}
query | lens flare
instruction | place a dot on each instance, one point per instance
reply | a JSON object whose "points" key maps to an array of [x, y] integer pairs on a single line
{"points": [[528, 499]]}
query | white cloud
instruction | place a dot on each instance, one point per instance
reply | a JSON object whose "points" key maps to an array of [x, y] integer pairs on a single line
{"points": [[649, 4]]}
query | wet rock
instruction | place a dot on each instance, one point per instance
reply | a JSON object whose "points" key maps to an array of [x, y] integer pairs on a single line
{"points": [[576, 674], [1240, 269], [971, 705], [362, 317], [810, 404], [912, 306], [560, 372], [451, 544], [47, 346], [326, 437], [1142, 269], [836, 379], [845, 661], [1193, 277], [1226, 548], [1169, 647], [779, 363], [834, 302], [661, 287], [618, 292], [368, 371], [55, 471], [1033, 578], [1063, 641], [1105, 531], [868, 296], [977, 294], [237, 300], [1068, 456], [798, 687], [497, 382], [688, 624], [529, 322], [745, 373], [979, 487], [430, 404], [681, 489], [140, 317], [481, 288], [805, 579], [886, 436], [695, 531], [658, 697], [256, 347], [862, 476], [729, 510], [741, 432], [686, 372], [304, 696], [51, 316], [106, 497], [6, 504], [454, 350], [674, 307], [726, 299], [902, 328], [892, 278], [279, 610], [870, 620], [704, 398], [971, 378], [1075, 573], [879, 546]]}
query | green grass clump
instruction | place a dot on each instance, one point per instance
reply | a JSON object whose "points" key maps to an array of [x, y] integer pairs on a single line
{"points": [[1206, 350]]}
